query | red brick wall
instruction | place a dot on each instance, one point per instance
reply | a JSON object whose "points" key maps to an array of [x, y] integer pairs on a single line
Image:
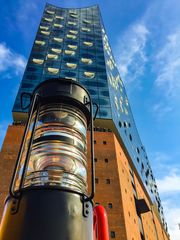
{"points": [[109, 193], [8, 156], [111, 165]]}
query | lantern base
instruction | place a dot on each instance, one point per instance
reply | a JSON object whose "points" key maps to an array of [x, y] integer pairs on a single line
{"points": [[47, 214]]}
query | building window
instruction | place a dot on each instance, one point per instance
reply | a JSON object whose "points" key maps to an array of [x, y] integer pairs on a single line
{"points": [[130, 137], [86, 21], [56, 50], [137, 149], [96, 180], [126, 111], [73, 31], [71, 65], [133, 185], [69, 52], [71, 36], [38, 61], [89, 74], [48, 19], [110, 205], [95, 159], [89, 44], [86, 60], [44, 28], [113, 235], [73, 15], [94, 141], [59, 17], [142, 166], [108, 181], [74, 47], [52, 56], [40, 42], [72, 23], [50, 12], [120, 124], [53, 70], [85, 29], [57, 25], [58, 39], [106, 160], [147, 173], [104, 142]]}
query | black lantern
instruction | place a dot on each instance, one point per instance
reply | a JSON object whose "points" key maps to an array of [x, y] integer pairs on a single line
{"points": [[48, 195]]}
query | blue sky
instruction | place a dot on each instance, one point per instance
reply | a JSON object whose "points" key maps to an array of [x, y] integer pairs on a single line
{"points": [[145, 39]]}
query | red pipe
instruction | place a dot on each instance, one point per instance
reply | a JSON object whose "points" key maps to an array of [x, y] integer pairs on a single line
{"points": [[101, 231]]}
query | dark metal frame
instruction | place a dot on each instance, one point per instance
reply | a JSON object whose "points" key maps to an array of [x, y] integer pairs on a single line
{"points": [[11, 190]]}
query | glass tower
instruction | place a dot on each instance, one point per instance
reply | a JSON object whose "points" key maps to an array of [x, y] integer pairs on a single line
{"points": [[72, 44]]}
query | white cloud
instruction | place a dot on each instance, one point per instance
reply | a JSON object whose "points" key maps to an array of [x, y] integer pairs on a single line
{"points": [[25, 10], [169, 189], [161, 109], [10, 60], [169, 183], [172, 213], [167, 69], [24, 20], [165, 165], [131, 52], [167, 63], [161, 157]]}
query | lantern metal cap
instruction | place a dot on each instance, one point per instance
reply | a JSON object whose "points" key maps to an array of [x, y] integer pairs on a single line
{"points": [[65, 90]]}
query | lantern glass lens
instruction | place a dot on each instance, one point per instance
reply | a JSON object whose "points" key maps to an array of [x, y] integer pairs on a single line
{"points": [[58, 151]]}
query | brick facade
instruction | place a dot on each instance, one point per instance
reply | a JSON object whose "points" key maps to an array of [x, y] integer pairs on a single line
{"points": [[114, 189], [8, 156]]}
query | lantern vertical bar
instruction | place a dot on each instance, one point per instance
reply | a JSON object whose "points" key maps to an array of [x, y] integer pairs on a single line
{"points": [[30, 144], [11, 189]]}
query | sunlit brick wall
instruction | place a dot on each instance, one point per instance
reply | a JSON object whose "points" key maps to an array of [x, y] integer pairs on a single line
{"points": [[8, 156]]}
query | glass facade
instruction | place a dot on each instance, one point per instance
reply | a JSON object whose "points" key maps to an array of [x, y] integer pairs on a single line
{"points": [[72, 43], [69, 44]]}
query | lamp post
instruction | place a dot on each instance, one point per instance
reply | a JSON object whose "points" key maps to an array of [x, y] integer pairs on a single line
{"points": [[48, 197]]}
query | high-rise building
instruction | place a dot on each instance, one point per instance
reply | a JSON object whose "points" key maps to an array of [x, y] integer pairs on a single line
{"points": [[72, 44]]}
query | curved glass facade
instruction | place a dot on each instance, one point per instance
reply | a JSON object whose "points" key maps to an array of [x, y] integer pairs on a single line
{"points": [[69, 44], [72, 43]]}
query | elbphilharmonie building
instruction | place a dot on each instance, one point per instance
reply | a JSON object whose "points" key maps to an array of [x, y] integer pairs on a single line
{"points": [[73, 44]]}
